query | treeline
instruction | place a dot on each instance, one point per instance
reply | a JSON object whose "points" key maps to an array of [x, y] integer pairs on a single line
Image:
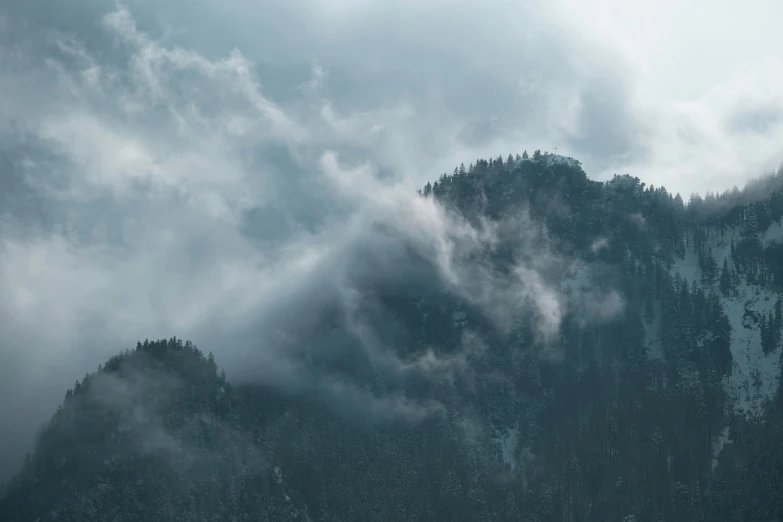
{"points": [[605, 423]]}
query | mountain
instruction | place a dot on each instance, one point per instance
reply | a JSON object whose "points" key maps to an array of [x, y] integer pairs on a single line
{"points": [[608, 353]]}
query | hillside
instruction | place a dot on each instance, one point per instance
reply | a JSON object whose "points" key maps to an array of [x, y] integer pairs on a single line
{"points": [[625, 365]]}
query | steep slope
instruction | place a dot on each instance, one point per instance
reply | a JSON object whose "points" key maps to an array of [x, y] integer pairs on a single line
{"points": [[755, 371], [153, 435], [642, 385]]}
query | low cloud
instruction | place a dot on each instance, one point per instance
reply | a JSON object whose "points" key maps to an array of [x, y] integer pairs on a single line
{"points": [[155, 159], [599, 244], [237, 174]]}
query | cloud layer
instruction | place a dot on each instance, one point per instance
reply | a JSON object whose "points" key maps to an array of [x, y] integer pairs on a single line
{"points": [[215, 171]]}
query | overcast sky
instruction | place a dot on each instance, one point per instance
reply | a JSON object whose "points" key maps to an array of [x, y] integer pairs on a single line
{"points": [[173, 167]]}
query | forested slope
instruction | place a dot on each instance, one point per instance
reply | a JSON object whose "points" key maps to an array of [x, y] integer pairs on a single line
{"points": [[656, 398]]}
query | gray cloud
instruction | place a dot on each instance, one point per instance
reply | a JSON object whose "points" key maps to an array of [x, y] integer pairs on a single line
{"points": [[608, 126], [211, 171], [162, 169], [755, 118]]}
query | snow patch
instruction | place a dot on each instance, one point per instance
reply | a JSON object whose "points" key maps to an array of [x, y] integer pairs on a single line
{"points": [[773, 234], [754, 376], [721, 243], [507, 442], [688, 266], [717, 445]]}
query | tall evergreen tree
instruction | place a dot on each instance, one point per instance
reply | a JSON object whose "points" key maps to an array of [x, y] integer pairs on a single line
{"points": [[725, 278]]}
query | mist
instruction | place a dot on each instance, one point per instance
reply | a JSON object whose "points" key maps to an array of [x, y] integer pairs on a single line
{"points": [[187, 171]]}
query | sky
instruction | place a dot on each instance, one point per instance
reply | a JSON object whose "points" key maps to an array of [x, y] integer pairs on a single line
{"points": [[209, 169]]}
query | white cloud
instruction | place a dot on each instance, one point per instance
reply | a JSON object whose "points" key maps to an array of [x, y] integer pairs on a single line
{"points": [[150, 144], [724, 137], [699, 71], [157, 162]]}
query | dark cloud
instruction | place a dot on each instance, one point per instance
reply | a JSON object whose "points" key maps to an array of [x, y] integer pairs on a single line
{"points": [[215, 171]]}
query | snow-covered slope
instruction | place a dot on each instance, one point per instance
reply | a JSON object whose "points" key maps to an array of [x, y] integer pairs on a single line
{"points": [[755, 376], [688, 266]]}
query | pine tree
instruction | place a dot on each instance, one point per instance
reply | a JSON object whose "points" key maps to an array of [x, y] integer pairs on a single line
{"points": [[751, 228], [725, 278], [734, 255], [777, 322], [764, 329]]}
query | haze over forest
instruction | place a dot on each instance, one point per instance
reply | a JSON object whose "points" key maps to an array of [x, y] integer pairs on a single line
{"points": [[229, 172]]}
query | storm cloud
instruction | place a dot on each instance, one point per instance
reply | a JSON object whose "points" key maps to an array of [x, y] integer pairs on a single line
{"points": [[218, 171]]}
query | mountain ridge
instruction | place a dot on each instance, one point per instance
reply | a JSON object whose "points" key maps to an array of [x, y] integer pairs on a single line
{"points": [[644, 403]]}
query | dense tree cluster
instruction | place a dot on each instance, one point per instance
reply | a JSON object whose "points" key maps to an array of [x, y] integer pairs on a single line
{"points": [[604, 427]]}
